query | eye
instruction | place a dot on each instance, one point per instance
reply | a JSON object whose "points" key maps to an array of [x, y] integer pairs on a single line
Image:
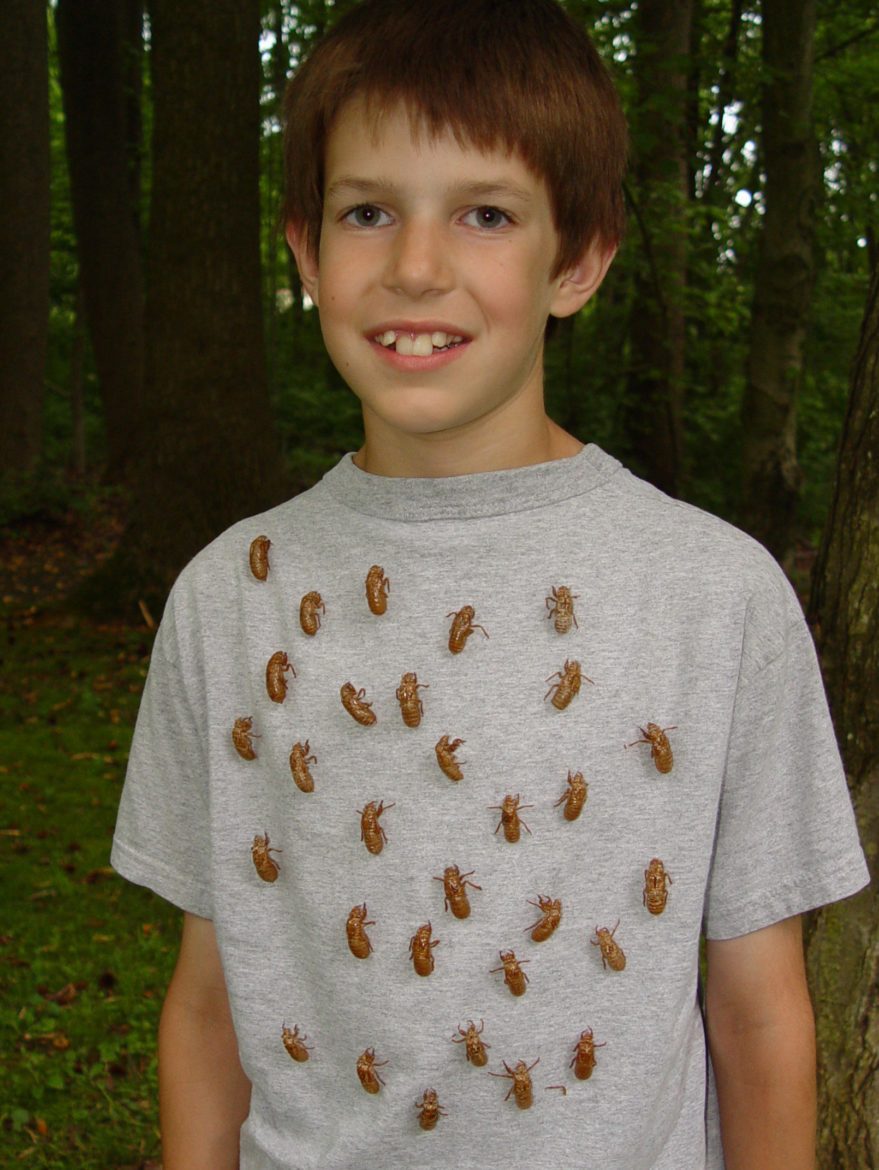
{"points": [[488, 217], [365, 215]]}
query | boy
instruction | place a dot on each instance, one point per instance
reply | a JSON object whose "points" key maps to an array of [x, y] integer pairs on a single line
{"points": [[363, 814]]}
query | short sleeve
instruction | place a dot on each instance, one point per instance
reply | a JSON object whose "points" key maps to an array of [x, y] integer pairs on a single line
{"points": [[786, 839], [162, 836]]}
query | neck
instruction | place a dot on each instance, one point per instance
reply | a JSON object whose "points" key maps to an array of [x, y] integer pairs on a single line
{"points": [[434, 456]]}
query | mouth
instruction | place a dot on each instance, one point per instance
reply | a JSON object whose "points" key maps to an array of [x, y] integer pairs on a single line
{"points": [[410, 344]]}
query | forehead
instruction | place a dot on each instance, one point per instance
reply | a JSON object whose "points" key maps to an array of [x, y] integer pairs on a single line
{"points": [[370, 141]]}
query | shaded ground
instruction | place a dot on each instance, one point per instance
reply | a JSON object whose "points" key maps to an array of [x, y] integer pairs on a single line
{"points": [[84, 957]]}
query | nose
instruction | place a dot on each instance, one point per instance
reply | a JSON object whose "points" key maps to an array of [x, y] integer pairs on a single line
{"points": [[419, 263]]}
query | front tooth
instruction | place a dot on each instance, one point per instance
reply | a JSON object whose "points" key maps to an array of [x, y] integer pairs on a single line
{"points": [[423, 345], [406, 345]]}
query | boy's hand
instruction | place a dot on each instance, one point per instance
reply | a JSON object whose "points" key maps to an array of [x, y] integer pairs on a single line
{"points": [[761, 1033], [204, 1095]]}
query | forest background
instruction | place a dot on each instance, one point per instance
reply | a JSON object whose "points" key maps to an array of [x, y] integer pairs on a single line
{"points": [[162, 375]]}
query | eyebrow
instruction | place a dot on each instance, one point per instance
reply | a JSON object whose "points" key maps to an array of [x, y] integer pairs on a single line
{"points": [[484, 189]]}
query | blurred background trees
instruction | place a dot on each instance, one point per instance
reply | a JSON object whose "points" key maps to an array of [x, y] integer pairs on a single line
{"points": [[155, 341]]}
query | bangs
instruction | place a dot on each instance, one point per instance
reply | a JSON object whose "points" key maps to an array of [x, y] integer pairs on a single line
{"points": [[516, 75]]}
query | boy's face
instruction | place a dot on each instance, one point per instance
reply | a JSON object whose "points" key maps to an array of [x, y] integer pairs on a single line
{"points": [[433, 281]]}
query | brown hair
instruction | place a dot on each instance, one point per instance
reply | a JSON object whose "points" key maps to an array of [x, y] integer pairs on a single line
{"points": [[515, 74]]}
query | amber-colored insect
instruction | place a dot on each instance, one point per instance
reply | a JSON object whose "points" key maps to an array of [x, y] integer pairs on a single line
{"points": [[243, 737], [583, 1060], [462, 627], [656, 883], [295, 1044], [310, 608], [371, 832], [445, 756], [551, 909], [510, 818], [521, 1078], [366, 1070], [411, 706], [574, 796], [429, 1110], [475, 1046], [454, 888], [568, 686], [660, 748], [611, 952], [276, 684], [261, 851], [561, 607], [421, 949], [259, 557], [358, 940], [514, 977], [356, 706], [377, 589], [299, 761]]}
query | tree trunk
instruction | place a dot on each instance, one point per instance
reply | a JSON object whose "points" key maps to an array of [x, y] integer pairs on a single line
{"points": [[655, 393], [99, 49], [24, 230], [843, 939], [208, 455], [785, 277]]}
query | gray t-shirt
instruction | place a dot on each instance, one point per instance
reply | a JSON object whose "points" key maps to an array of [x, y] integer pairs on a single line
{"points": [[681, 621]]}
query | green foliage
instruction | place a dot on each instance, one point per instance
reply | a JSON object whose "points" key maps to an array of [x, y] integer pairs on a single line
{"points": [[85, 957]]}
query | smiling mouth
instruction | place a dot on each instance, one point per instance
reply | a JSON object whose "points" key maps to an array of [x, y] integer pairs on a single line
{"points": [[418, 344]]}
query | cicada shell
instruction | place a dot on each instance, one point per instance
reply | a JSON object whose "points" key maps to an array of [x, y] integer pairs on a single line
{"points": [[583, 1060], [371, 832], [660, 748], [521, 1078], [421, 949], [377, 589], [259, 557], [510, 818], [261, 852], [551, 916], [455, 889], [561, 607], [656, 883], [367, 1065], [411, 706], [310, 608], [243, 737], [514, 977], [356, 705], [276, 683], [299, 761], [574, 796], [612, 954], [295, 1044], [429, 1110], [445, 756], [358, 939], [474, 1046], [568, 686], [462, 627]]}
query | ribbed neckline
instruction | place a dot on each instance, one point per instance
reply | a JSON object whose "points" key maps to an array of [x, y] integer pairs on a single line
{"points": [[465, 497]]}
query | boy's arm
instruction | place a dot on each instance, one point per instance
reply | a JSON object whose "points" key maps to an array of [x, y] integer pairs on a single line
{"points": [[204, 1095], [761, 1034]]}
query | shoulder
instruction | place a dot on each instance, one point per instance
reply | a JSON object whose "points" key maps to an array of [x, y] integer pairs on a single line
{"points": [[697, 560]]}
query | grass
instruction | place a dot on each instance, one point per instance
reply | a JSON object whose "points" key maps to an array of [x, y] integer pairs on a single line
{"points": [[84, 957]]}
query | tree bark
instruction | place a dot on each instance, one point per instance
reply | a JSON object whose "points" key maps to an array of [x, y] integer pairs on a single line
{"points": [[208, 455], [785, 277], [655, 392], [843, 939], [24, 230], [99, 48]]}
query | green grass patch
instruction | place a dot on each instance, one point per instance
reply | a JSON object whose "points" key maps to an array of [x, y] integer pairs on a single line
{"points": [[84, 956]]}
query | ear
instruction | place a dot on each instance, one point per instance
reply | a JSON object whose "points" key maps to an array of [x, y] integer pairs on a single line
{"points": [[577, 286], [305, 256]]}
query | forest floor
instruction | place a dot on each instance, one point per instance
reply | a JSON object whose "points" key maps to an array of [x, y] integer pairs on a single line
{"points": [[84, 957]]}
